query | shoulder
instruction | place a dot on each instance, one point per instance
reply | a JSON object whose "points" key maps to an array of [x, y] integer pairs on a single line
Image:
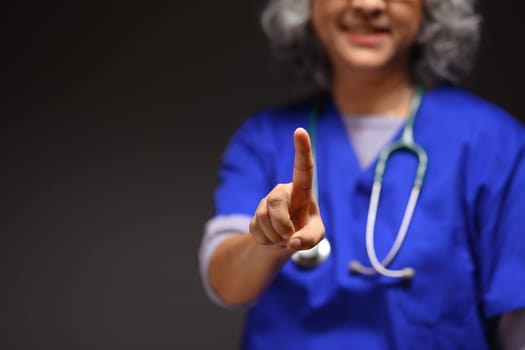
{"points": [[270, 130], [459, 110], [467, 107]]}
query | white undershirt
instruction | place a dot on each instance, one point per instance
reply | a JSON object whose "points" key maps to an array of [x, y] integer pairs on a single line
{"points": [[369, 134]]}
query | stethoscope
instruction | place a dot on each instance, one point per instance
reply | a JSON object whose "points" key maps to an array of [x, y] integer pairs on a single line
{"points": [[315, 256]]}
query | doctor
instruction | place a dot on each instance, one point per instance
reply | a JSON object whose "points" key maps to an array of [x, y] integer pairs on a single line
{"points": [[297, 174]]}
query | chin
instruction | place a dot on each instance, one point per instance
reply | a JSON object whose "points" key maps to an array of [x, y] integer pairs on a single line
{"points": [[364, 58], [368, 63]]}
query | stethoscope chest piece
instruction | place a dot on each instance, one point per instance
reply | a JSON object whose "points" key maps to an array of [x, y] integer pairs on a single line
{"points": [[312, 257]]}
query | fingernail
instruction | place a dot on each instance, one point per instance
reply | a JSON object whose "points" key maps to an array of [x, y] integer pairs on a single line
{"points": [[295, 243]]}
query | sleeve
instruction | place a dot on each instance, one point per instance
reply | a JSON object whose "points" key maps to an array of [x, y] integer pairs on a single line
{"points": [[247, 172], [217, 230], [499, 211], [244, 179]]}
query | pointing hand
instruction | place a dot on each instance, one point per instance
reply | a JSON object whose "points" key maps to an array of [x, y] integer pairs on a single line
{"points": [[289, 215]]}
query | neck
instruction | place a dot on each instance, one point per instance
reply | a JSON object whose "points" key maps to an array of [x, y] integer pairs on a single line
{"points": [[377, 93]]}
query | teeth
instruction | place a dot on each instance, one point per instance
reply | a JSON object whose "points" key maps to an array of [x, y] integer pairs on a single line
{"points": [[346, 25], [362, 31], [365, 30]]}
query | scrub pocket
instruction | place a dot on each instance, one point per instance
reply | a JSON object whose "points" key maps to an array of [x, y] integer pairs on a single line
{"points": [[443, 289]]}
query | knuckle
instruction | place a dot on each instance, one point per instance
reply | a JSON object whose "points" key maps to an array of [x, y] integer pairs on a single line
{"points": [[277, 196], [275, 199], [260, 212], [253, 225]]}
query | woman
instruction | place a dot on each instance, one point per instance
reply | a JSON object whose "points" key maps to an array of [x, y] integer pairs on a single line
{"points": [[458, 278]]}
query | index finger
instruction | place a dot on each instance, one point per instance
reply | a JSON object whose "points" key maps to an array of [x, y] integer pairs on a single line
{"points": [[303, 168]]}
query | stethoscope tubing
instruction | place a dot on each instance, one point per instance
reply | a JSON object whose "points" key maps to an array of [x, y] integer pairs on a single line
{"points": [[318, 254]]}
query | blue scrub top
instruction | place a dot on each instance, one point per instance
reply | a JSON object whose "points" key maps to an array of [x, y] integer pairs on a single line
{"points": [[466, 240]]}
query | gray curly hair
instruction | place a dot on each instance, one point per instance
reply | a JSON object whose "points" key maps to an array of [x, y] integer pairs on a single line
{"points": [[444, 51]]}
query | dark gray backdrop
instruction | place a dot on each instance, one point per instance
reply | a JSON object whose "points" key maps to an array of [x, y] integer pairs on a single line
{"points": [[114, 119]]}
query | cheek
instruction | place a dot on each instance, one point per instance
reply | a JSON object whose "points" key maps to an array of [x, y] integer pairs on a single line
{"points": [[323, 26], [324, 14], [408, 23], [415, 29], [416, 17]]}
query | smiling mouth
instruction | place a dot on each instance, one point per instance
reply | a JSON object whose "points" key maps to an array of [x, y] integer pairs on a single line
{"points": [[367, 31], [364, 30], [352, 25], [365, 35]]}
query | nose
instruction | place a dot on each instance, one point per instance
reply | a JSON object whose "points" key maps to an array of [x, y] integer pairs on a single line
{"points": [[368, 9]]}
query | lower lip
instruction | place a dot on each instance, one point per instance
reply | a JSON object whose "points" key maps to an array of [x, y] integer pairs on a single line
{"points": [[369, 39]]}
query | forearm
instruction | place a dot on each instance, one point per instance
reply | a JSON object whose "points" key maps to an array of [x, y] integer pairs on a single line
{"points": [[240, 269]]}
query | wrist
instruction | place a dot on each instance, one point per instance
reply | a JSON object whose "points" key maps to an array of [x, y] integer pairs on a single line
{"points": [[275, 252]]}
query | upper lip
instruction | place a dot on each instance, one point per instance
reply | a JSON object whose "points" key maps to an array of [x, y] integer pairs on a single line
{"points": [[366, 29], [349, 23]]}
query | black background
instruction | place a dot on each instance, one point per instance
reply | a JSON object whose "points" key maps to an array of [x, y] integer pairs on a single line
{"points": [[115, 116]]}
